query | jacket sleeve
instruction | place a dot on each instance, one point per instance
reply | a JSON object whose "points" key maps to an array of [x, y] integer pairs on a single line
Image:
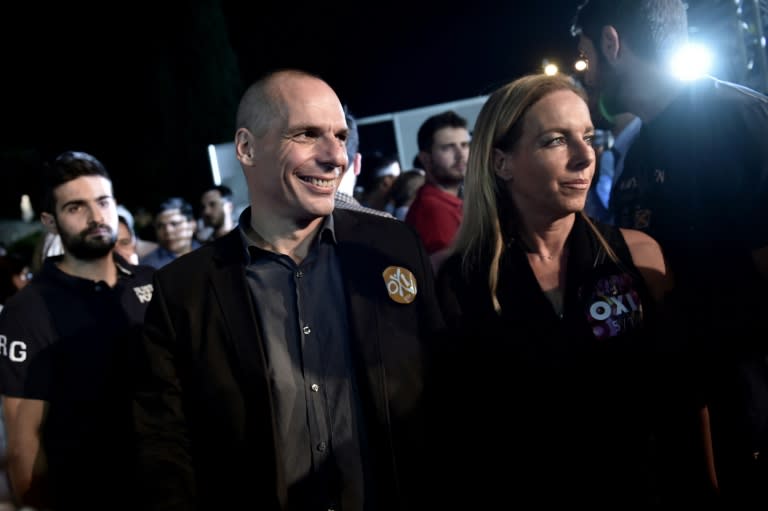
{"points": [[165, 470]]}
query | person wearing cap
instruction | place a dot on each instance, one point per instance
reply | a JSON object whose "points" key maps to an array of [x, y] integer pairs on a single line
{"points": [[379, 174], [126, 238]]}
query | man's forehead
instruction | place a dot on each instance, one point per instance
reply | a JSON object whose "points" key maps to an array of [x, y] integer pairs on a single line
{"points": [[311, 102], [319, 115], [211, 196], [84, 187], [450, 134], [122, 230], [170, 213]]}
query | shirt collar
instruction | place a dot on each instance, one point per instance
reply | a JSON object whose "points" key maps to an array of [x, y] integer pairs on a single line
{"points": [[248, 235], [123, 266], [51, 267]]}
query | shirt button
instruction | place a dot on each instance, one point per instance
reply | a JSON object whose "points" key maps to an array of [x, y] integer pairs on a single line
{"points": [[315, 387], [97, 288], [321, 447], [299, 274], [307, 330]]}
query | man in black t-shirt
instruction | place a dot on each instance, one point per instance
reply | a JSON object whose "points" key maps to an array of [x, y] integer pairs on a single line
{"points": [[66, 348], [696, 179]]}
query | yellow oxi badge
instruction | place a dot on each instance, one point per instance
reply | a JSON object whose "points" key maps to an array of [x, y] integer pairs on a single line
{"points": [[401, 284]]}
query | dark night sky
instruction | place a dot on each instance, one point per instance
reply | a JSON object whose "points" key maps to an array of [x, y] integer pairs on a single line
{"points": [[146, 86]]}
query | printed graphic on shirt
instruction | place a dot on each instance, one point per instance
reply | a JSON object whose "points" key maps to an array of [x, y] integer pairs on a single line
{"points": [[401, 284], [642, 219], [612, 305], [144, 293], [13, 350]]}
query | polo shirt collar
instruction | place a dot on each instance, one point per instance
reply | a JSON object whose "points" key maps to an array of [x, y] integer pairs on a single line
{"points": [[51, 269]]}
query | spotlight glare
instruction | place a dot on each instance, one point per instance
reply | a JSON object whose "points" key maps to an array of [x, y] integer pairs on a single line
{"points": [[691, 62], [580, 65], [550, 69]]}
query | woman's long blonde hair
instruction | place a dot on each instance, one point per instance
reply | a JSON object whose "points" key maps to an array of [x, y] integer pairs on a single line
{"points": [[499, 125]]}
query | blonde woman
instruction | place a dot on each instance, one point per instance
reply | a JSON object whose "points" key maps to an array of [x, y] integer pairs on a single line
{"points": [[565, 383]]}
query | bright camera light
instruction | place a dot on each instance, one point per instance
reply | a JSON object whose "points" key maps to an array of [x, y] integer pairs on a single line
{"points": [[550, 69], [580, 65], [691, 61]]}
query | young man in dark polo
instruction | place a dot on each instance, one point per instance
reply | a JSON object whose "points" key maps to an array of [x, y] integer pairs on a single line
{"points": [[66, 343]]}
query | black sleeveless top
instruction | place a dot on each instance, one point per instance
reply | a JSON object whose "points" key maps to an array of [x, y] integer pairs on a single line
{"points": [[568, 406]]}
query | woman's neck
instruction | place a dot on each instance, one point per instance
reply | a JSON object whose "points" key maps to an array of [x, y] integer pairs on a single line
{"points": [[544, 238]]}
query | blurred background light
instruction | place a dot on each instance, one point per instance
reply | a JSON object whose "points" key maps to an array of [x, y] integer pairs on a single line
{"points": [[692, 61], [550, 69]]}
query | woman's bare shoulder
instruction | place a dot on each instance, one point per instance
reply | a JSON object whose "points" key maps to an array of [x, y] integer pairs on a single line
{"points": [[650, 261]]}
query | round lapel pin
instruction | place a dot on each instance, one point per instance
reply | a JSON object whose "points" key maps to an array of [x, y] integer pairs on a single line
{"points": [[401, 284]]}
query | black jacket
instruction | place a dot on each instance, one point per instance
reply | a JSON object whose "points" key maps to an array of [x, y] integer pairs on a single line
{"points": [[204, 415]]}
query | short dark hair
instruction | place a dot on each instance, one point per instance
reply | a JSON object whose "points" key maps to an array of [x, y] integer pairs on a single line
{"points": [[353, 137], [405, 186], [427, 130], [66, 167], [224, 191], [170, 203], [650, 27]]}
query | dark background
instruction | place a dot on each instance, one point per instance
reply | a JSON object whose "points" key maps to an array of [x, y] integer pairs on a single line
{"points": [[145, 87]]}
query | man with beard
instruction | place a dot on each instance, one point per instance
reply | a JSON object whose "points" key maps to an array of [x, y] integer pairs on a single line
{"points": [[216, 211], [66, 345], [435, 213], [696, 179]]}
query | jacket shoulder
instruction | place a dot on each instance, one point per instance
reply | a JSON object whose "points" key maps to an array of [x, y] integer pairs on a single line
{"points": [[189, 266], [377, 230]]}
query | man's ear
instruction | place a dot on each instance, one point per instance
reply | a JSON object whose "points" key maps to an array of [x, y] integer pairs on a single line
{"points": [[356, 163], [610, 44], [49, 222], [502, 165], [426, 159], [244, 146]]}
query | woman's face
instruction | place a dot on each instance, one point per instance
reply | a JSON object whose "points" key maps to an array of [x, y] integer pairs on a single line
{"points": [[549, 170]]}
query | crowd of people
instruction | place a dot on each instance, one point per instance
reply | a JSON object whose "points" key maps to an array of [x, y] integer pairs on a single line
{"points": [[518, 320]]}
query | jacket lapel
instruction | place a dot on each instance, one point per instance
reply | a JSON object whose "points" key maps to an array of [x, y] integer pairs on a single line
{"points": [[239, 315], [359, 273], [234, 297]]}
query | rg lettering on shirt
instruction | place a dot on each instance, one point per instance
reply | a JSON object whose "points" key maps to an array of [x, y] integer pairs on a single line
{"points": [[16, 351]]}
